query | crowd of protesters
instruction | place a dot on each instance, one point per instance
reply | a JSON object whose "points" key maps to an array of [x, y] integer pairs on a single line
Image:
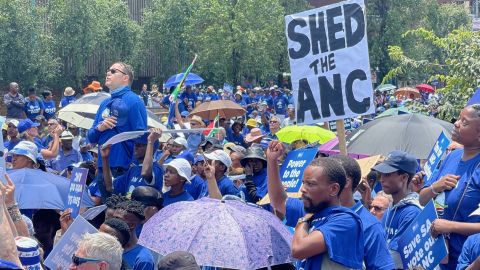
{"points": [[341, 220]]}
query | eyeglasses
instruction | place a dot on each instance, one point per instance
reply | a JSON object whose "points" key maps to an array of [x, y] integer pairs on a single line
{"points": [[79, 260], [115, 70], [274, 122]]}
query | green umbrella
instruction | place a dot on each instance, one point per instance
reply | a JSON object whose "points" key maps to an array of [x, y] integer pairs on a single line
{"points": [[311, 134], [385, 87], [393, 112]]}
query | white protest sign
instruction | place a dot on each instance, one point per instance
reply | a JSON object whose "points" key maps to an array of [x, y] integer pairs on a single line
{"points": [[329, 62], [61, 255]]}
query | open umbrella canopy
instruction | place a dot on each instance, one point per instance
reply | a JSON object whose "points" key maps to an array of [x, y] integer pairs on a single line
{"points": [[311, 134], [36, 189], [385, 87], [408, 92], [228, 234], [393, 112], [425, 87], [413, 133], [475, 98], [224, 108], [191, 79], [82, 111]]}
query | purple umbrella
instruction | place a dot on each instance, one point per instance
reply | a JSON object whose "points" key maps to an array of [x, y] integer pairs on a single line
{"points": [[228, 234]]}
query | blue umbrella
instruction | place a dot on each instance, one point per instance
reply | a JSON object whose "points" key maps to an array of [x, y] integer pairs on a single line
{"points": [[192, 79], [36, 189], [475, 98]]}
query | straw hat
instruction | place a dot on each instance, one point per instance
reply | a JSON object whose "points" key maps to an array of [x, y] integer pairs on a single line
{"points": [[254, 134], [69, 92]]}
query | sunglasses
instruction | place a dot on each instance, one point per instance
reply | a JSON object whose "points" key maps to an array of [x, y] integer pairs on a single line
{"points": [[115, 70], [79, 260]]}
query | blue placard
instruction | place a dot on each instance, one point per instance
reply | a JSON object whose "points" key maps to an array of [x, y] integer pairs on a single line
{"points": [[293, 167], [416, 245], [61, 255], [75, 192], [435, 156]]}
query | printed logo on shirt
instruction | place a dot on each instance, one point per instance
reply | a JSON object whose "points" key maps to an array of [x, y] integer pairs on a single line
{"points": [[106, 113]]}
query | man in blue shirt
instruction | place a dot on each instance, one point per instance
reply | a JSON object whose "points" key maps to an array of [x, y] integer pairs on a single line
{"points": [[67, 156], [280, 102], [137, 175], [190, 96], [123, 111], [12, 133], [220, 161], [397, 172], [210, 95], [323, 237], [68, 97], [376, 254], [136, 256], [33, 105]]}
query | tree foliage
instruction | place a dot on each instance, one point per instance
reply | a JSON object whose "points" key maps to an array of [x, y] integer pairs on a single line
{"points": [[457, 66], [389, 19]]}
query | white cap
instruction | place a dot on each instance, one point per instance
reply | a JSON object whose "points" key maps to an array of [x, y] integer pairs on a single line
{"points": [[25, 148], [181, 141], [66, 135], [14, 122], [182, 166], [221, 156]]}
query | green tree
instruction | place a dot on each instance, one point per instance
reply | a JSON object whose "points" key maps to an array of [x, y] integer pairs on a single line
{"points": [[458, 66], [27, 58], [389, 19]]}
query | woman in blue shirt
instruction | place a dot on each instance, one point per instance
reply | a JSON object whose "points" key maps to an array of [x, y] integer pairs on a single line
{"points": [[48, 104], [458, 182], [177, 173], [33, 105]]}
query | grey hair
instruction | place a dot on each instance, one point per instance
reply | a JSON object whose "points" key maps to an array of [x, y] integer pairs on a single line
{"points": [[476, 108], [128, 70], [385, 195], [103, 247]]}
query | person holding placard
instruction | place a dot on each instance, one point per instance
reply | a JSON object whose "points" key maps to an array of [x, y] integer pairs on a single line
{"points": [[458, 181], [322, 234]]}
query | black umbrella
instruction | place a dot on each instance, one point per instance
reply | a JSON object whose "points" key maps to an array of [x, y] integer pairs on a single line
{"points": [[413, 133]]}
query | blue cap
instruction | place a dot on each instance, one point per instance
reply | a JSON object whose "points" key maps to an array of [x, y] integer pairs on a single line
{"points": [[398, 160], [26, 124], [184, 113], [198, 158]]}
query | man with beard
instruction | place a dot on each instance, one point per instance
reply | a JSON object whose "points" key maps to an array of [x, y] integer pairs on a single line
{"points": [[293, 208]]}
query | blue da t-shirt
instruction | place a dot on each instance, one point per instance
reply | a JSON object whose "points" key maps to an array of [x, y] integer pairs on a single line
{"points": [[192, 99], [467, 170], [33, 108], [376, 254], [470, 252], [49, 109], [182, 197], [339, 225], [139, 258], [197, 187], [127, 182]]}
